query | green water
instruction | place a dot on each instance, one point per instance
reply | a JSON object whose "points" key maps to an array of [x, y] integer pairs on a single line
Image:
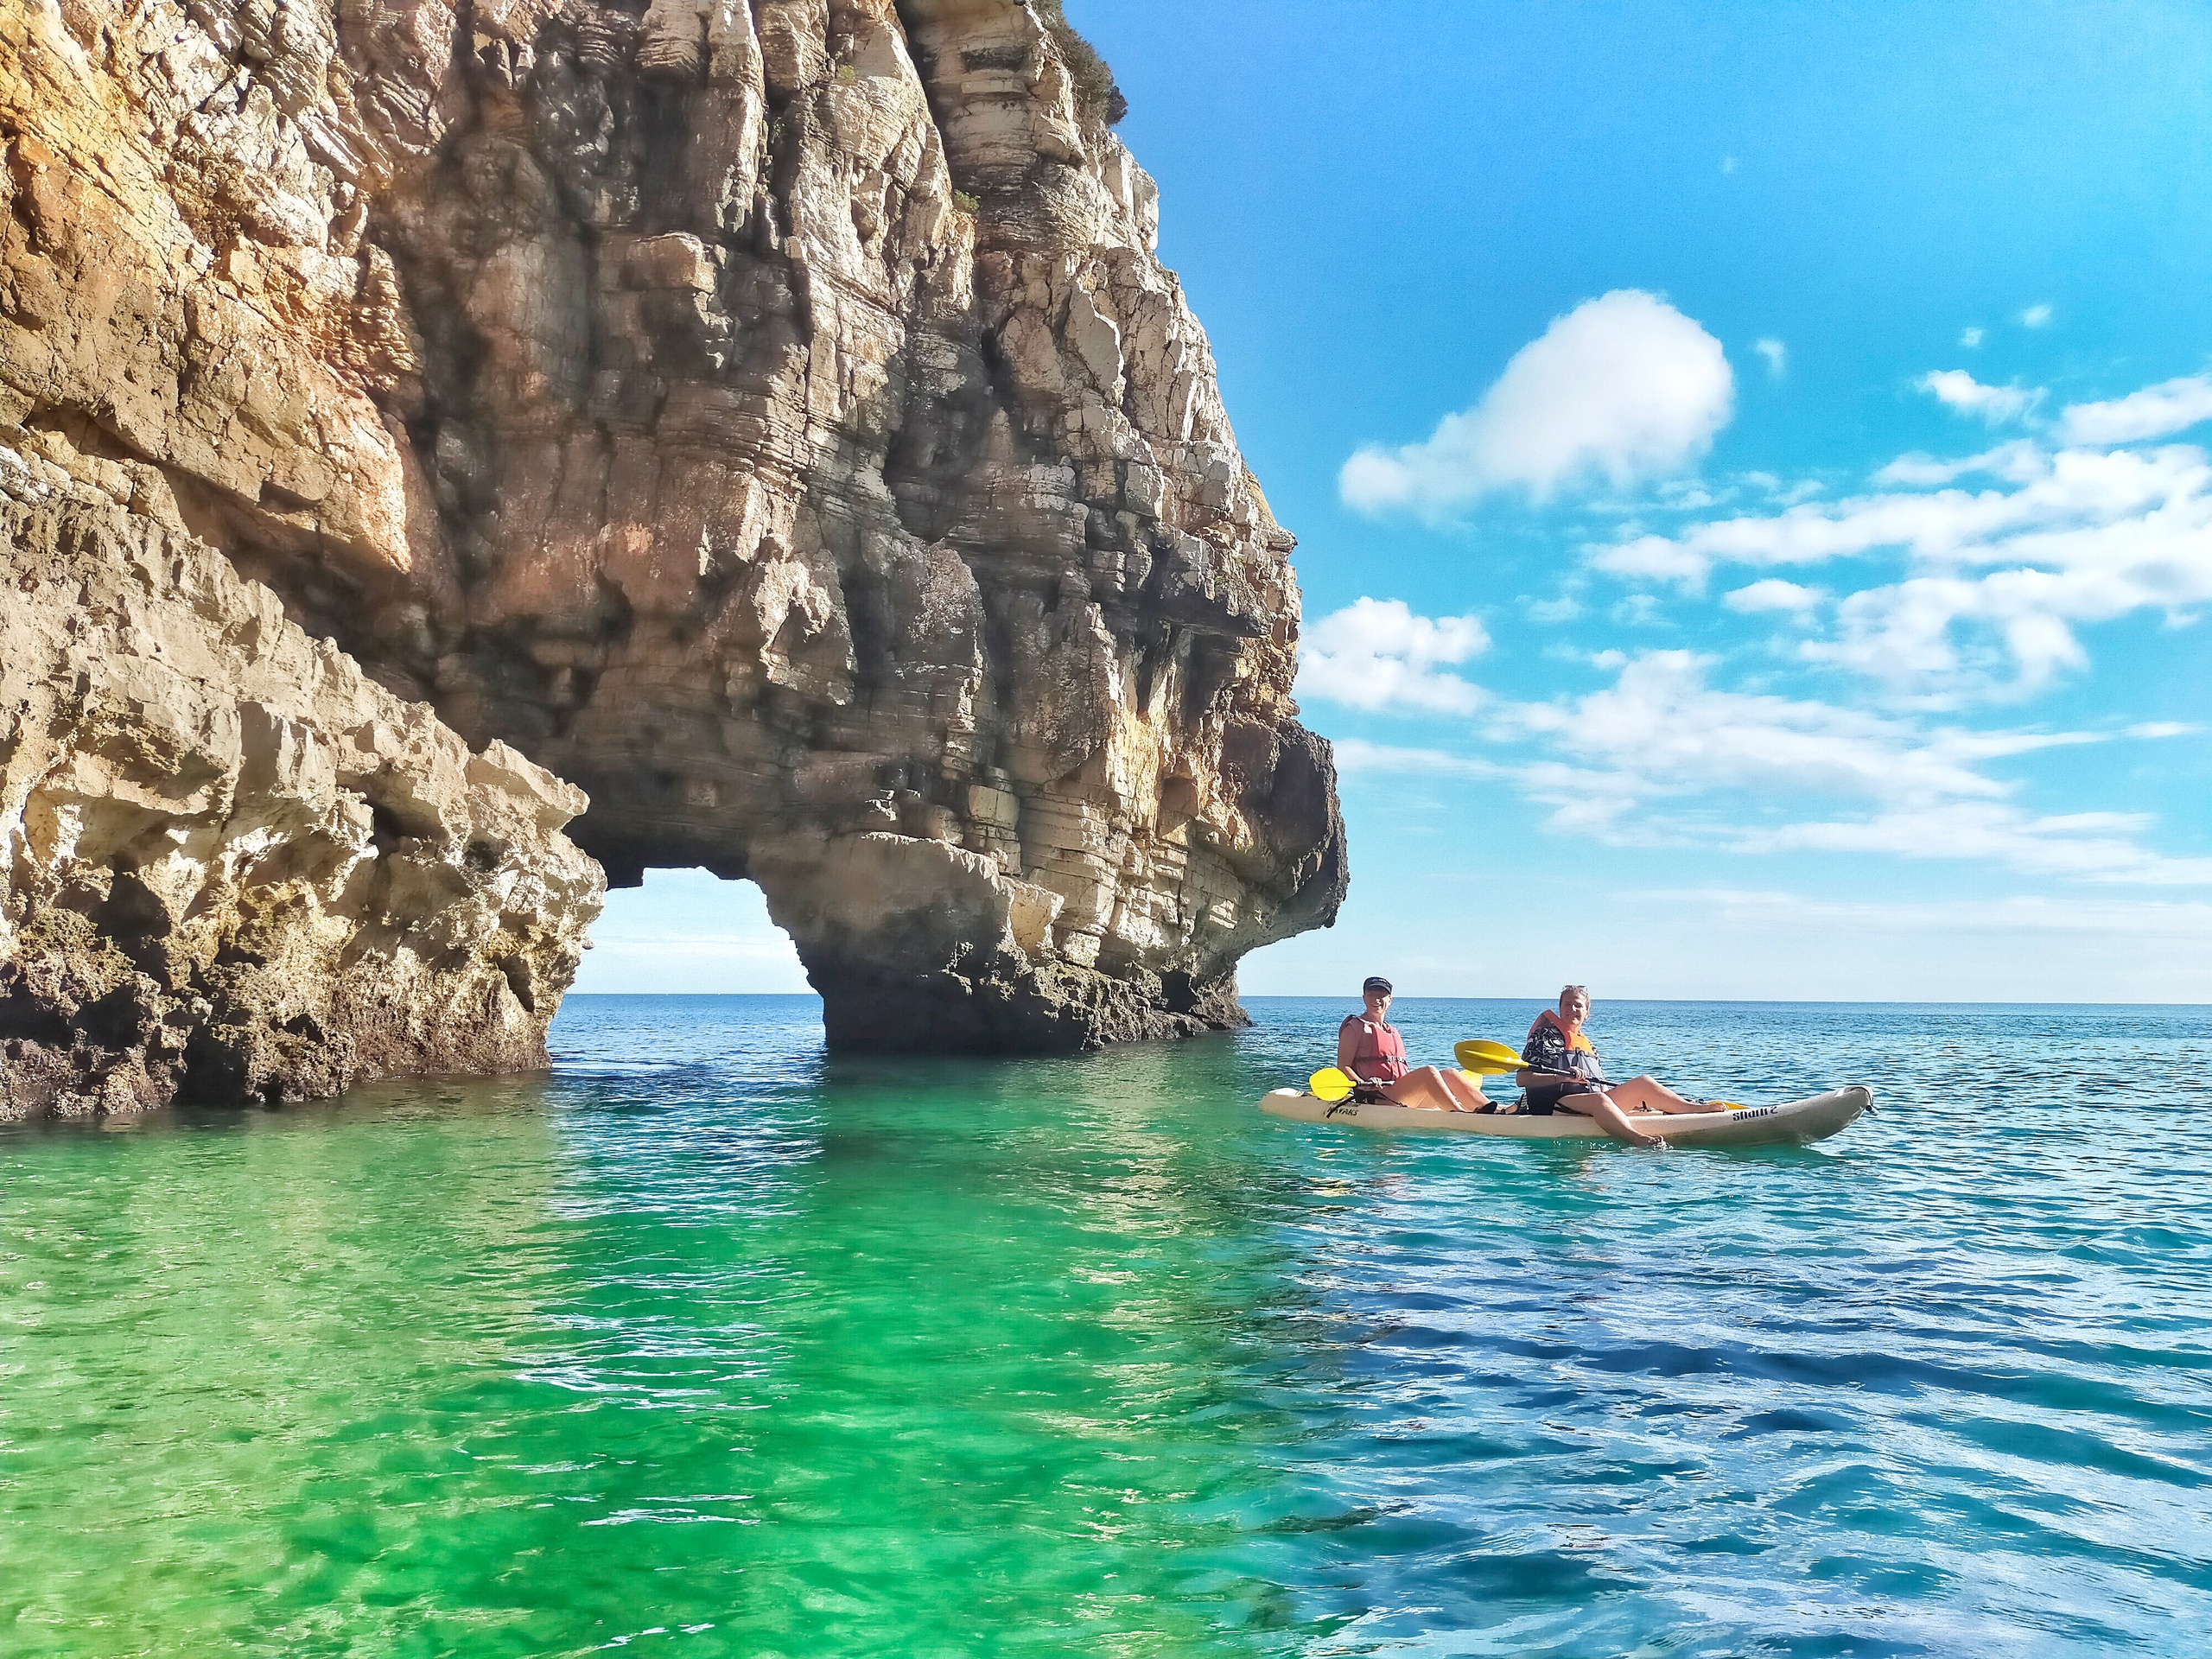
{"points": [[709, 1346]]}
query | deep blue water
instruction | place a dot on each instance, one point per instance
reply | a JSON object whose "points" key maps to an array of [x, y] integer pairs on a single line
{"points": [[709, 1344]]}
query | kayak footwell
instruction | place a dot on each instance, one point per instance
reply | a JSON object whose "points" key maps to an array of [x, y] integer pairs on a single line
{"points": [[1794, 1122]]}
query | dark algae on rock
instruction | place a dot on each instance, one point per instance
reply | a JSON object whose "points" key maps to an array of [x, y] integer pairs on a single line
{"points": [[773, 420]]}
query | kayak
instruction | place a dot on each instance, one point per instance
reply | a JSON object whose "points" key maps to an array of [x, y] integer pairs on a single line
{"points": [[1795, 1124]]}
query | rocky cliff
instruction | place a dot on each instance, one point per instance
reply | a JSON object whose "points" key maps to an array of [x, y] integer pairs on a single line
{"points": [[235, 869], [772, 417]]}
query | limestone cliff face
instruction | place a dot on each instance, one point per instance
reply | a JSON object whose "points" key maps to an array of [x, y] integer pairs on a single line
{"points": [[234, 868], [772, 417]]}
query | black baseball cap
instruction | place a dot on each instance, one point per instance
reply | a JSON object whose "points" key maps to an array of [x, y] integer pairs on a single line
{"points": [[1377, 982]]}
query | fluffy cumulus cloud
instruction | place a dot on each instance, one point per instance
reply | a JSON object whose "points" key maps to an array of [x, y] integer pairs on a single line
{"points": [[1377, 654], [1956, 389], [1623, 389], [2154, 412]]}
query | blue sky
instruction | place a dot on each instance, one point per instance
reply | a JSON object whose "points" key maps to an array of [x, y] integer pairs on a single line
{"points": [[1750, 470]]}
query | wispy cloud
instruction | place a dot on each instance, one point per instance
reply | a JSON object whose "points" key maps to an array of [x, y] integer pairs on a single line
{"points": [[1377, 654], [2026, 914], [1970, 338], [2036, 316], [1776, 353], [1356, 755], [1623, 389], [2001, 574], [2154, 412], [1661, 757], [1774, 594], [1956, 389]]}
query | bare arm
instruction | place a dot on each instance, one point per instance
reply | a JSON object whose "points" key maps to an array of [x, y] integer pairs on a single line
{"points": [[1347, 1045]]}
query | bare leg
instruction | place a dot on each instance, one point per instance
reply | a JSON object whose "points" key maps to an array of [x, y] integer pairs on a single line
{"points": [[1648, 1093], [1610, 1118], [1466, 1096], [1435, 1089]]}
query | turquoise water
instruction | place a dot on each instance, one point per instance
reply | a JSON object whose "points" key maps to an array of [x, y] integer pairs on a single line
{"points": [[708, 1346]]}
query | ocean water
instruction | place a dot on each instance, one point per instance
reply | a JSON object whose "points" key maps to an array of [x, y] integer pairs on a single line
{"points": [[708, 1344]]}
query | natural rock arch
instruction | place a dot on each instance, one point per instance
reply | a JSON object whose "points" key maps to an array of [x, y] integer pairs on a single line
{"points": [[772, 418]]}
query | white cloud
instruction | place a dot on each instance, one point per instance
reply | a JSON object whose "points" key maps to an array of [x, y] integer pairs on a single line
{"points": [[2153, 412], [1624, 388], [1639, 610], [2000, 576], [1774, 594], [1958, 390], [2159, 729], [2036, 316], [1970, 338], [1776, 353], [1565, 609], [1661, 757], [2023, 914], [1377, 653], [2090, 846], [1660, 729], [2019, 460], [1356, 755]]}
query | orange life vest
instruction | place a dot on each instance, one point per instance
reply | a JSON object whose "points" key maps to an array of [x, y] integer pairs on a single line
{"points": [[1574, 1039]]}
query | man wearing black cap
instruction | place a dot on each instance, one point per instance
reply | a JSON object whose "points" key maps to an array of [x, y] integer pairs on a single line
{"points": [[1370, 1051]]}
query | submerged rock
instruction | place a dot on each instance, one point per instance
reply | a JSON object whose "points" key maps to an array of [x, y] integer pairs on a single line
{"points": [[773, 418]]}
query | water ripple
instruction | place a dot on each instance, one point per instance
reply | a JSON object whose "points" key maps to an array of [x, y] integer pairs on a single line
{"points": [[714, 1346]]}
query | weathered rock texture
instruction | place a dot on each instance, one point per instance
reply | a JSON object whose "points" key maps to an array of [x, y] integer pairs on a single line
{"points": [[234, 868], [772, 417]]}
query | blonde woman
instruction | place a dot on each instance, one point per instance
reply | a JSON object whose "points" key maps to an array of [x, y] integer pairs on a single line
{"points": [[1564, 1074]]}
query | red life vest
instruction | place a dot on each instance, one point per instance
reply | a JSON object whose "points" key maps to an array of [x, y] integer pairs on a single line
{"points": [[1380, 1055]]}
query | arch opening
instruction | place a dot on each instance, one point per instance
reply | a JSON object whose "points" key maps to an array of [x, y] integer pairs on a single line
{"points": [[689, 932]]}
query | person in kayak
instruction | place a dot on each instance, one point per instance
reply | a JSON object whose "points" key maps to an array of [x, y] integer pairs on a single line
{"points": [[1371, 1053], [1565, 1075]]}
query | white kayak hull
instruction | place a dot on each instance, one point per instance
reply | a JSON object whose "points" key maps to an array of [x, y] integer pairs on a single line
{"points": [[1793, 1124]]}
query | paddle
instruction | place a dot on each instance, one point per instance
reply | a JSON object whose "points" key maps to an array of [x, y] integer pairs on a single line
{"points": [[1329, 1083], [1486, 1058]]}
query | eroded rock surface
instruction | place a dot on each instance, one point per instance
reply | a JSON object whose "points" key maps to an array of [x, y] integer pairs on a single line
{"points": [[772, 418], [232, 869]]}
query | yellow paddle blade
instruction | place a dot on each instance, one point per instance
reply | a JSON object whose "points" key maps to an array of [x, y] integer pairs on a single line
{"points": [[1488, 1059], [1328, 1084]]}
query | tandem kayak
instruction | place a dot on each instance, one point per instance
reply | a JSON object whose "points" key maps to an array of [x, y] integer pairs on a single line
{"points": [[1795, 1124]]}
